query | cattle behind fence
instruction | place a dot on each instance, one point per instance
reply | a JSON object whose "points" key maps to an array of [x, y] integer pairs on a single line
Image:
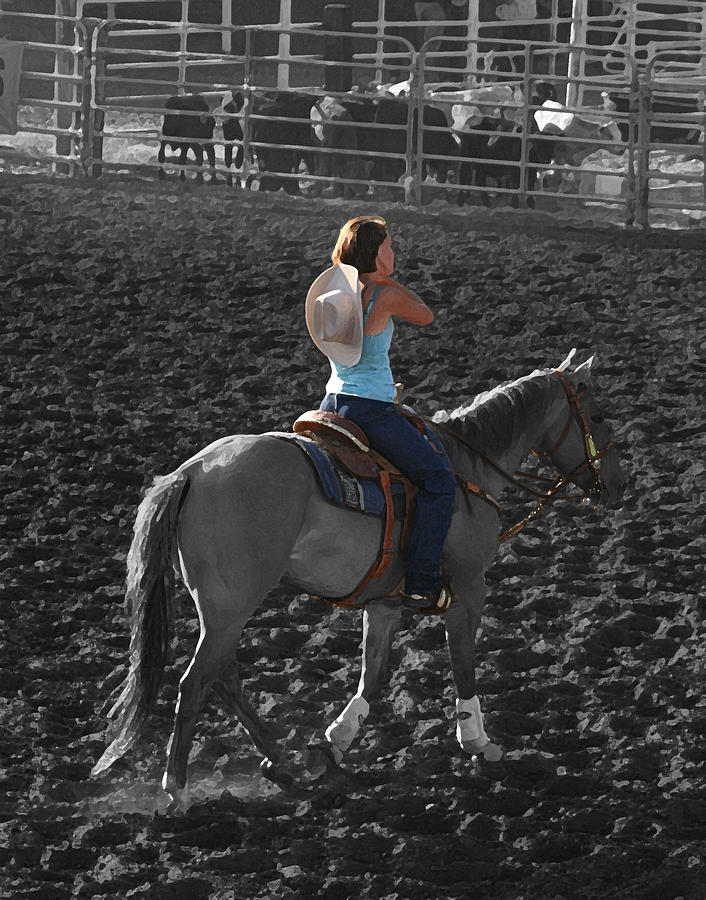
{"points": [[612, 140]]}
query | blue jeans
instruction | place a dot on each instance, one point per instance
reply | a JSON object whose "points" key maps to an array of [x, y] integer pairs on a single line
{"points": [[400, 442]]}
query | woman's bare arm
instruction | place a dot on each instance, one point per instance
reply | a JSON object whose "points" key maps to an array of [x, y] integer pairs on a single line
{"points": [[397, 300]]}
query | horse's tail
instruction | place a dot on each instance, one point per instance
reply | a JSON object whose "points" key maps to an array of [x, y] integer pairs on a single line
{"points": [[150, 600]]}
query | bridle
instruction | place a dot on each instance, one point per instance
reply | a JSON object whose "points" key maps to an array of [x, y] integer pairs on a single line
{"points": [[557, 484], [592, 461]]}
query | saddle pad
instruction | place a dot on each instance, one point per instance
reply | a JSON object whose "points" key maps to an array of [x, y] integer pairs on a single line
{"points": [[342, 488]]}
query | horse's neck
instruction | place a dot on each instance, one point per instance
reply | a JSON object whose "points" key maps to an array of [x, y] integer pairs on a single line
{"points": [[527, 423], [508, 460]]}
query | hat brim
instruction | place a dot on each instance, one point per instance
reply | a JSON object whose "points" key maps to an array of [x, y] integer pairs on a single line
{"points": [[345, 278]]}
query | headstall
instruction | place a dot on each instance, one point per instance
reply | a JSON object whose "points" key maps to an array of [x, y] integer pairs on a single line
{"points": [[593, 461]]}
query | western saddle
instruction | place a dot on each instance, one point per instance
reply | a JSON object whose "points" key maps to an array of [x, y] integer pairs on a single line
{"points": [[350, 446]]}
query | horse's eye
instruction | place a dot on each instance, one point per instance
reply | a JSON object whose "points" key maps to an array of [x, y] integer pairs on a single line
{"points": [[597, 417]]}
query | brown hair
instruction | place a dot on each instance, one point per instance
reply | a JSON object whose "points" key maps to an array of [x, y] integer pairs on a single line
{"points": [[359, 241]]}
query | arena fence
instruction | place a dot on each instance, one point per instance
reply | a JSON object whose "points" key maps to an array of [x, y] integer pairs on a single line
{"points": [[598, 106], [41, 117], [102, 93], [672, 116]]}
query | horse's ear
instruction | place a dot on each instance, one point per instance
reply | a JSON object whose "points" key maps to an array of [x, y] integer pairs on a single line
{"points": [[563, 367], [581, 376], [584, 370]]}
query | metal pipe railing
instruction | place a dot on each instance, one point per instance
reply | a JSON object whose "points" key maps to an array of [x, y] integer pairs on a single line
{"points": [[676, 73]]}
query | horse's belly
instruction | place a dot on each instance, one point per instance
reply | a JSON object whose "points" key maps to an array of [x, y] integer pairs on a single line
{"points": [[335, 550]]}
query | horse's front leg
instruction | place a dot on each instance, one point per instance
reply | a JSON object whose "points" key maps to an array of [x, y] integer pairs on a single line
{"points": [[380, 622], [461, 623]]}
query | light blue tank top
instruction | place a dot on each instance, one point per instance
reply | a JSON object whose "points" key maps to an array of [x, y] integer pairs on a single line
{"points": [[371, 377]]}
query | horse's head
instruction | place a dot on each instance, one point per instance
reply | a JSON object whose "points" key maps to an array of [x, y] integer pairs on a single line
{"points": [[577, 439]]}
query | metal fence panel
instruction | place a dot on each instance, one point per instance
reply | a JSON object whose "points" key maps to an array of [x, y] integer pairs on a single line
{"points": [[508, 158], [408, 129], [132, 87], [671, 136], [51, 89]]}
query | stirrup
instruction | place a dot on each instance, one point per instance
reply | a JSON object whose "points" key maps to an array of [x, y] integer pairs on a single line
{"points": [[434, 603]]}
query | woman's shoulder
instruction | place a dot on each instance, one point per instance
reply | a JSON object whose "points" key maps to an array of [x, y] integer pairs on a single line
{"points": [[386, 292], [397, 300]]}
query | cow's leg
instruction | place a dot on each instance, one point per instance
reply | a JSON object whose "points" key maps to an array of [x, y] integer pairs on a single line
{"points": [[161, 159], [198, 157], [211, 156], [228, 162], [183, 154], [291, 185]]}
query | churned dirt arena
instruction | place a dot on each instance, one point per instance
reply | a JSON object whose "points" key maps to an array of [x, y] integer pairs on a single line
{"points": [[142, 322]]}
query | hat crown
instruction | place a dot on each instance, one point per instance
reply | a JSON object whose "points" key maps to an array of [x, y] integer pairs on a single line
{"points": [[334, 314]]}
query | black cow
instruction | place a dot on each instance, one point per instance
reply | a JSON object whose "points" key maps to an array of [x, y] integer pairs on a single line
{"points": [[193, 130], [489, 151], [286, 127], [493, 150], [341, 126], [438, 144], [231, 109], [281, 145]]}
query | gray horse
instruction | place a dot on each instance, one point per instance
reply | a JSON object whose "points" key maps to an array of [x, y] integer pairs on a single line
{"points": [[246, 514]]}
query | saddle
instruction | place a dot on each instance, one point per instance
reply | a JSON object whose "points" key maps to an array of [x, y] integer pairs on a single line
{"points": [[325, 434], [350, 447], [349, 443]]}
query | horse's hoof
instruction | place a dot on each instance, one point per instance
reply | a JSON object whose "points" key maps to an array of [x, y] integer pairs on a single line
{"points": [[178, 796], [492, 752], [321, 760], [489, 751], [273, 773]]}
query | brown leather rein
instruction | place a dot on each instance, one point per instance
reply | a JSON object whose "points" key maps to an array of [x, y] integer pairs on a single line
{"points": [[593, 460]]}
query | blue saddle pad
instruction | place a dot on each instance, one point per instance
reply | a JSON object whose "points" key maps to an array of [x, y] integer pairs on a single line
{"points": [[344, 489]]}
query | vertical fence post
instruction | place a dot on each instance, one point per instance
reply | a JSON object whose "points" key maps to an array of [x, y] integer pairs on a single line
{"points": [[579, 14], [183, 39], [380, 44], [702, 139], [245, 123], [227, 21], [526, 124], [472, 34], [88, 25], [338, 48], [284, 44], [414, 166], [633, 129], [96, 114], [65, 63], [642, 186]]}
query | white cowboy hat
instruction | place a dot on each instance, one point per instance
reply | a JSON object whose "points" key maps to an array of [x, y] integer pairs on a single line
{"points": [[334, 314]]}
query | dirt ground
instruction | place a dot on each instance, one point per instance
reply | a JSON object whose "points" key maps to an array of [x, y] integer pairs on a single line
{"points": [[143, 323]]}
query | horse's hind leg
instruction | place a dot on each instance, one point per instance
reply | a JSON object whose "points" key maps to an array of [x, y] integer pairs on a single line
{"points": [[215, 650], [380, 622], [264, 735]]}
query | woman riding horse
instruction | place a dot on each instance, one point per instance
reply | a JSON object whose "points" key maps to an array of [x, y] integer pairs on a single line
{"points": [[365, 393]]}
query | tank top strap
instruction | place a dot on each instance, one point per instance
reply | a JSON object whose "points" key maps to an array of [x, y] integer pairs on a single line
{"points": [[370, 305]]}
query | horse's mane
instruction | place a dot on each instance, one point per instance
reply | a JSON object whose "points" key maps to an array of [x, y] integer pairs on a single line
{"points": [[491, 421]]}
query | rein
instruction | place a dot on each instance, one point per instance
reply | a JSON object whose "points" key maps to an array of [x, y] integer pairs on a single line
{"points": [[593, 460]]}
